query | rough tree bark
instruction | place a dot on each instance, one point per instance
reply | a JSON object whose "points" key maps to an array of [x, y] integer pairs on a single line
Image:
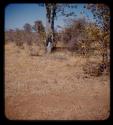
{"points": [[50, 15]]}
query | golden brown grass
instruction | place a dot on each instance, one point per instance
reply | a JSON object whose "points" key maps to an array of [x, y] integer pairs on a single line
{"points": [[52, 87]]}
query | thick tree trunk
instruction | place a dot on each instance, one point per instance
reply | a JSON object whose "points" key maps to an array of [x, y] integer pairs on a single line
{"points": [[50, 14], [49, 38]]}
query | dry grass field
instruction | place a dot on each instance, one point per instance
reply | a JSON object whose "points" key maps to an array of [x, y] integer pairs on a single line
{"points": [[53, 87]]}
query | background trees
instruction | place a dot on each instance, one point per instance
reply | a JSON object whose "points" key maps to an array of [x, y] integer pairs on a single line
{"points": [[19, 37], [39, 28], [9, 35], [28, 33], [80, 35], [77, 37], [102, 14]]}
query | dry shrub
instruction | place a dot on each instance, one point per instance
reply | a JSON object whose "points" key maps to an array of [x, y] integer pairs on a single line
{"points": [[60, 57], [36, 50], [34, 54], [33, 51], [94, 68], [107, 70]]}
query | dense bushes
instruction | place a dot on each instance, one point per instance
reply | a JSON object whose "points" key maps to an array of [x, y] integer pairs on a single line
{"points": [[77, 38]]}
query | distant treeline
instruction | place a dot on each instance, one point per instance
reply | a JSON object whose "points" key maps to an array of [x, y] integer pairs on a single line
{"points": [[78, 36]]}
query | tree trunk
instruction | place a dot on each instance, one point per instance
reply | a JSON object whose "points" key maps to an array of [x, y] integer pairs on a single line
{"points": [[49, 40], [50, 14]]}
